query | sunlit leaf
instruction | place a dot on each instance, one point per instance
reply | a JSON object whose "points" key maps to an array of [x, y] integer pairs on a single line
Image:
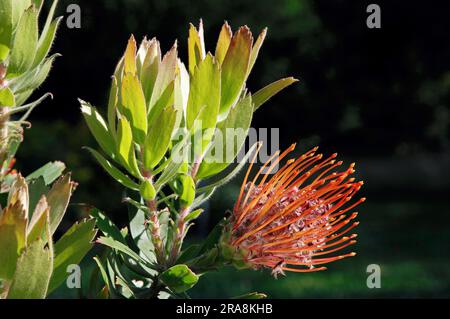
{"points": [[150, 68], [223, 43], [231, 136], [179, 278], [70, 249], [98, 128], [134, 106], [130, 57], [29, 81], [166, 75], [113, 171], [39, 222], [46, 41], [25, 43], [32, 276], [13, 223], [187, 195], [196, 46], [126, 146], [6, 28], [210, 185], [235, 67], [7, 97], [159, 136], [204, 97], [58, 199], [255, 50], [49, 172], [263, 95], [252, 295]]}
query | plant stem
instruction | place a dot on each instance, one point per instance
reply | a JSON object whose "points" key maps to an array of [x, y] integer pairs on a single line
{"points": [[181, 230], [156, 231], [182, 225]]}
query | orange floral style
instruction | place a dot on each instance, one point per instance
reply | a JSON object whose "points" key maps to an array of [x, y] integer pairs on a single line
{"points": [[292, 220]]}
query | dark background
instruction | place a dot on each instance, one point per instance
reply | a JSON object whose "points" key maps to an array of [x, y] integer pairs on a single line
{"points": [[379, 97]]}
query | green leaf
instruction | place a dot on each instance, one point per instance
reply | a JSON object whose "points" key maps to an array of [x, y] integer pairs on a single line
{"points": [[202, 198], [45, 42], [194, 215], [181, 93], [105, 292], [98, 128], [32, 276], [166, 100], [7, 98], [49, 172], [223, 43], [196, 47], [229, 176], [204, 97], [158, 138], [19, 193], [150, 68], [263, 95], [113, 171], [24, 43], [6, 28], [255, 51], [37, 189], [165, 226], [13, 223], [130, 57], [252, 296], [28, 82], [107, 227], [232, 132], [213, 238], [38, 4], [174, 163], [179, 278], [117, 245], [166, 75], [133, 102], [187, 195], [49, 20], [189, 253], [126, 147], [148, 191], [138, 231], [58, 199], [71, 249], [112, 106], [29, 107], [18, 10], [235, 67], [40, 221]]}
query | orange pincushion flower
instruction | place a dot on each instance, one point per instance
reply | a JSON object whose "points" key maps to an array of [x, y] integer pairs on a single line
{"points": [[293, 220]]}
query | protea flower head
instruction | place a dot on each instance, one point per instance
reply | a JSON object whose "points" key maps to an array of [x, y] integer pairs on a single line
{"points": [[296, 219]]}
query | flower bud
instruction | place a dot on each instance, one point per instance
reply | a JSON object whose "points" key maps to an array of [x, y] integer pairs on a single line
{"points": [[148, 191], [188, 191]]}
